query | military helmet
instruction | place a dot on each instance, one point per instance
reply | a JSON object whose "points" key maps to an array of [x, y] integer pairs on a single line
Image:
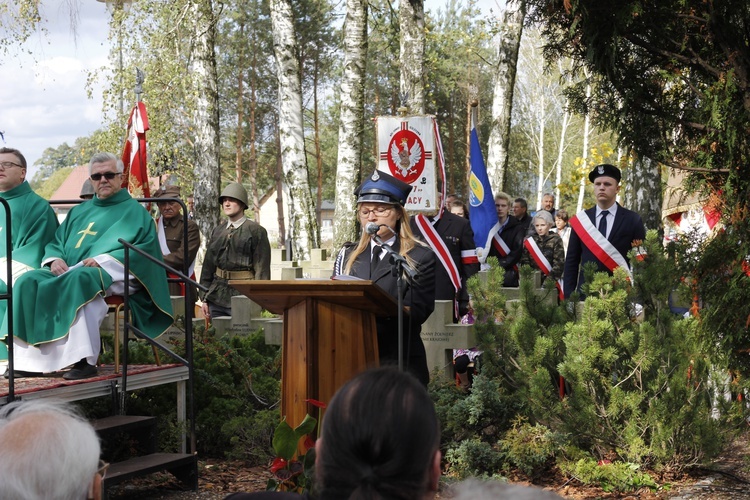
{"points": [[235, 190]]}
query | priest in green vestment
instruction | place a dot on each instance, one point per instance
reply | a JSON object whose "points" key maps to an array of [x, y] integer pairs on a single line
{"points": [[58, 309], [32, 224]]}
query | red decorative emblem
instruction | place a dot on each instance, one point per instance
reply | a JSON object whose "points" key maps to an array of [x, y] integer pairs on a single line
{"points": [[406, 155]]}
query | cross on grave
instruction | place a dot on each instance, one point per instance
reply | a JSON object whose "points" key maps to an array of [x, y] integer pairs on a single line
{"points": [[440, 336], [318, 266], [282, 269]]}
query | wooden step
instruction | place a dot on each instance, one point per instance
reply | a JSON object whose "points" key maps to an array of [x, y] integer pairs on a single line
{"points": [[124, 423], [183, 466]]}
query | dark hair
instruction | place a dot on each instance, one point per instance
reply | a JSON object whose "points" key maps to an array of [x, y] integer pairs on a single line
{"points": [[458, 203], [16, 152], [522, 202], [562, 214], [380, 435]]}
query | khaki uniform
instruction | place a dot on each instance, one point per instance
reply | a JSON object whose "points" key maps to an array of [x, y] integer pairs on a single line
{"points": [[173, 235], [552, 247], [241, 253]]}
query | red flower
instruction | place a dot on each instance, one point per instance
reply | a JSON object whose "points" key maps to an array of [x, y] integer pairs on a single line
{"points": [[278, 464], [316, 403], [309, 443]]}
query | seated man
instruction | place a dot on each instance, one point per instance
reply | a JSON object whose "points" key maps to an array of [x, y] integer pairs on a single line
{"points": [[57, 310], [49, 452]]}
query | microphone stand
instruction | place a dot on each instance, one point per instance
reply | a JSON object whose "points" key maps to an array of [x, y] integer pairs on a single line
{"points": [[399, 266]]}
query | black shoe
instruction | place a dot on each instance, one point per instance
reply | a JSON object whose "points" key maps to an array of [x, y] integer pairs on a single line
{"points": [[81, 371], [21, 374]]}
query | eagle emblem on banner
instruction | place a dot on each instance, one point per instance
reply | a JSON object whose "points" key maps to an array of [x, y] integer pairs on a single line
{"points": [[405, 156]]}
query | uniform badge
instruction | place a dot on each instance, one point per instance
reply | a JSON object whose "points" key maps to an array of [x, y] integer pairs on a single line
{"points": [[600, 169], [375, 176]]}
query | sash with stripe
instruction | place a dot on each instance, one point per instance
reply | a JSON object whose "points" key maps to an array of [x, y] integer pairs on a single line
{"points": [[595, 241], [502, 247], [542, 263], [441, 251], [165, 251]]}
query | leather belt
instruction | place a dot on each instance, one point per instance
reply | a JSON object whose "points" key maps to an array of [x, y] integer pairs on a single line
{"points": [[234, 275]]}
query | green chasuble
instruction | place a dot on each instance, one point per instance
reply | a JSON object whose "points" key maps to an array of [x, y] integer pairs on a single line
{"points": [[46, 304], [33, 225]]}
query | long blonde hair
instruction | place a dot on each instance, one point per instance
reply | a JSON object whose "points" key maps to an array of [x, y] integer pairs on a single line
{"points": [[405, 236]]}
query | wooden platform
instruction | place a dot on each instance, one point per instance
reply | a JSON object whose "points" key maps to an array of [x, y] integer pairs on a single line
{"points": [[104, 384]]}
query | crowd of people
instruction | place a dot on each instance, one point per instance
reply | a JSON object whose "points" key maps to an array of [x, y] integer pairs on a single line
{"points": [[393, 451]]}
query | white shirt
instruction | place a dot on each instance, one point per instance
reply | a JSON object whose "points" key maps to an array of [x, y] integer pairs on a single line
{"points": [[610, 217]]}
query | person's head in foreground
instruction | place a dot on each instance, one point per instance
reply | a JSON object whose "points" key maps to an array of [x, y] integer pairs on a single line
{"points": [[380, 440], [49, 452]]}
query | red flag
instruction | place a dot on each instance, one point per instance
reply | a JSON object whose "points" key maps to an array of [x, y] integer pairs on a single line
{"points": [[135, 174]]}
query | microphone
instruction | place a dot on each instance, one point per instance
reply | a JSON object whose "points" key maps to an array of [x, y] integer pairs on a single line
{"points": [[372, 228]]}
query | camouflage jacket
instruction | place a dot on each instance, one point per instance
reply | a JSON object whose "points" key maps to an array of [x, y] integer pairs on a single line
{"points": [[551, 246]]}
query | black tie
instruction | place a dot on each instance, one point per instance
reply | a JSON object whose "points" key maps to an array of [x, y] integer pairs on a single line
{"points": [[603, 223], [375, 259]]}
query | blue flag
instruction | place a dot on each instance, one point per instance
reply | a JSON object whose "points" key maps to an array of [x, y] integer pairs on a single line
{"points": [[483, 218]]}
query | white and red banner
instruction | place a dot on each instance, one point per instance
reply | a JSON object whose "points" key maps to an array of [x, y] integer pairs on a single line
{"points": [[135, 174], [407, 149]]}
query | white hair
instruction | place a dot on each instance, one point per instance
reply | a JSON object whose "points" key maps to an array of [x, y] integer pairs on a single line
{"points": [[105, 157], [48, 452], [475, 489]]}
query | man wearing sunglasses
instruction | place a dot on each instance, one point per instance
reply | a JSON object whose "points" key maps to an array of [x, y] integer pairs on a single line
{"points": [[32, 224], [60, 307]]}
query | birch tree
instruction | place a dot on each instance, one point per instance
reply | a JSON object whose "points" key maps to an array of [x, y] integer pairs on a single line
{"points": [[508, 40], [351, 126], [302, 226], [206, 118], [411, 22], [643, 191]]}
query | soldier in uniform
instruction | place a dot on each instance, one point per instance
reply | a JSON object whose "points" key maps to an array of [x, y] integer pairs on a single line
{"points": [[169, 226], [238, 250]]}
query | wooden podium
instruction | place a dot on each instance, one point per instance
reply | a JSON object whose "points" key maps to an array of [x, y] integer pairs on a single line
{"points": [[329, 334]]}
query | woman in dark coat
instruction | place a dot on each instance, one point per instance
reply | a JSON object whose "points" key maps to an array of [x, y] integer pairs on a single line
{"points": [[380, 201]]}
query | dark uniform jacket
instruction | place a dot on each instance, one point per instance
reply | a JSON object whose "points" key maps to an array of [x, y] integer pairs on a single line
{"points": [[419, 298], [513, 235], [551, 246], [627, 227], [173, 234], [242, 253], [457, 234]]}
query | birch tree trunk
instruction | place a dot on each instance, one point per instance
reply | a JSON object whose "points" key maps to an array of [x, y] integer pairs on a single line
{"points": [[351, 127], [411, 23], [206, 121], [643, 191], [291, 132], [508, 41], [585, 154], [567, 116], [542, 119]]}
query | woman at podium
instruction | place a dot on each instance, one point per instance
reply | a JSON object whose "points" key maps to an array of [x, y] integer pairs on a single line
{"points": [[381, 213]]}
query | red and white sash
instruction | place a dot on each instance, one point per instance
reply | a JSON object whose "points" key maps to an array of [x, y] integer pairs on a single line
{"points": [[542, 262], [441, 251], [595, 241], [502, 247], [165, 251]]}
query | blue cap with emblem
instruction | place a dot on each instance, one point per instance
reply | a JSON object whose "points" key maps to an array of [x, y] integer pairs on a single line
{"points": [[605, 169], [383, 188]]}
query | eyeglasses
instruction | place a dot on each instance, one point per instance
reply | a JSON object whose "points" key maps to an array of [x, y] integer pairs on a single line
{"points": [[107, 175], [8, 164], [103, 466], [378, 211]]}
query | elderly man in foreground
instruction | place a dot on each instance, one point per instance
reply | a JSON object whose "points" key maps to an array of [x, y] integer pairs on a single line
{"points": [[57, 310]]}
